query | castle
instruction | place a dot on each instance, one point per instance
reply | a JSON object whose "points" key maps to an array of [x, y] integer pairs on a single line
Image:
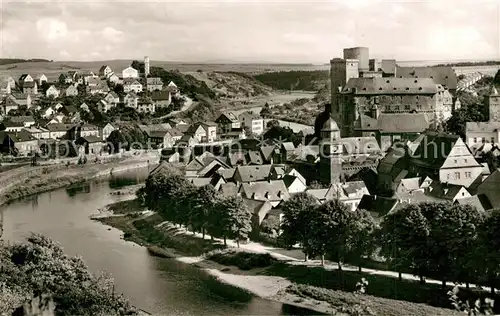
{"points": [[377, 98], [375, 103]]}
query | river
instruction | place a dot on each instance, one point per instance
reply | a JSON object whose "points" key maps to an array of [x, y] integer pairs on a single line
{"points": [[159, 286]]}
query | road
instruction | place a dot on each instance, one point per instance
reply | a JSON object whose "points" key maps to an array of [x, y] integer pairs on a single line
{"points": [[296, 257], [185, 107]]}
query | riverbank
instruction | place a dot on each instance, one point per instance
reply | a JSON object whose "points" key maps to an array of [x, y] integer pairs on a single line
{"points": [[286, 280], [35, 180]]}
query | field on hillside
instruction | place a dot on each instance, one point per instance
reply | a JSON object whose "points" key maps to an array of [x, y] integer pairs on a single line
{"points": [[53, 69]]}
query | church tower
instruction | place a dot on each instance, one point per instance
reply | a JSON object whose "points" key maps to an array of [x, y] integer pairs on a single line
{"points": [[494, 105], [341, 70], [331, 150], [146, 66]]}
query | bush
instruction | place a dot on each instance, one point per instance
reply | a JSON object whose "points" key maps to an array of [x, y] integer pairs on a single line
{"points": [[242, 260]]}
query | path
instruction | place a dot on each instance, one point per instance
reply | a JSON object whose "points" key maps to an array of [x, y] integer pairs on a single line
{"points": [[185, 107], [296, 257]]}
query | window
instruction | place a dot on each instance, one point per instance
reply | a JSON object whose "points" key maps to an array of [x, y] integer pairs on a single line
{"points": [[475, 139], [465, 160], [447, 176], [407, 107], [456, 161], [457, 175], [468, 174], [493, 140]]}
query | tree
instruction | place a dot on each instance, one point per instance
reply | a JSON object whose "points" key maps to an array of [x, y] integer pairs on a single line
{"points": [[488, 249], [475, 112], [138, 65], [451, 239], [202, 201], [272, 123], [117, 140], [496, 79], [266, 111], [236, 219], [295, 226], [331, 224], [361, 241], [270, 225], [403, 237], [42, 267], [118, 88]]}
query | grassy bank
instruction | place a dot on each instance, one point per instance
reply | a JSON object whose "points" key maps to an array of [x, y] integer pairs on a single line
{"points": [[314, 288], [49, 178]]}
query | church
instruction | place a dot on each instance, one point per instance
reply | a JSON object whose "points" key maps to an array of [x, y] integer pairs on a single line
{"points": [[343, 158], [479, 134]]}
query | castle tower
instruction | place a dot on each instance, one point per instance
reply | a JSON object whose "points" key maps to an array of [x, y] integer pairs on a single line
{"points": [[361, 54], [331, 150], [146, 66], [494, 105], [341, 70]]}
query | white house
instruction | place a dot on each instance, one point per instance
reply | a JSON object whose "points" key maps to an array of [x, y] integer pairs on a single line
{"points": [[130, 72], [52, 91], [41, 79], [253, 122], [107, 130], [294, 184], [49, 112], [132, 85], [104, 71], [131, 100], [114, 79], [112, 98], [71, 91], [85, 107], [103, 106]]}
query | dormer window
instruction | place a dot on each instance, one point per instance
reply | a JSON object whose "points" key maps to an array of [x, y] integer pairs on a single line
{"points": [[380, 88], [415, 81], [407, 88], [387, 81], [419, 88]]}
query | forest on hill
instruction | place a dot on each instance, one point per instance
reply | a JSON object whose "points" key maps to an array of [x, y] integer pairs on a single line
{"points": [[295, 80], [8, 61]]}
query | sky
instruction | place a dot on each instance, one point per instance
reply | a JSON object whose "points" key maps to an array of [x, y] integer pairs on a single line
{"points": [[249, 31]]}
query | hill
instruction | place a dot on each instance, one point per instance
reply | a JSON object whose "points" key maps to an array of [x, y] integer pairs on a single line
{"points": [[9, 61], [232, 84], [295, 80]]}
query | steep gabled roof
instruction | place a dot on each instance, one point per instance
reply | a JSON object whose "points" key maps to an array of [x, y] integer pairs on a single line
{"points": [[491, 188], [403, 122], [267, 151], [22, 119], [265, 190], [374, 86], [480, 202], [444, 76], [253, 173], [254, 157], [426, 150], [376, 205]]}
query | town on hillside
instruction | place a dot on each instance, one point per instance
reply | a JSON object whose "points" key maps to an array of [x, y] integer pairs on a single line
{"points": [[390, 141], [370, 147]]}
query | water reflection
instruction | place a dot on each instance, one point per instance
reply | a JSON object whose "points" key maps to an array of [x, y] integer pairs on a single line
{"points": [[78, 188]]}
